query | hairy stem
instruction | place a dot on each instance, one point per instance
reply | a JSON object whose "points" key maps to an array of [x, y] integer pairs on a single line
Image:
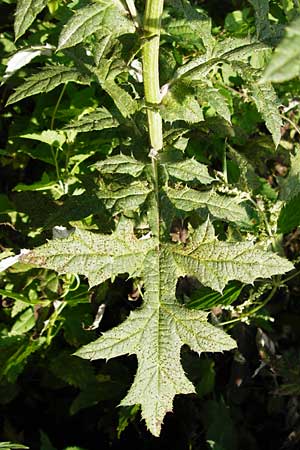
{"points": [[152, 24]]}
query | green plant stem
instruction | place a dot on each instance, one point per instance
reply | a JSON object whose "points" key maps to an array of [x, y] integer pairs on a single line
{"points": [[290, 122], [55, 153], [254, 310], [294, 275], [152, 24], [150, 53], [56, 106]]}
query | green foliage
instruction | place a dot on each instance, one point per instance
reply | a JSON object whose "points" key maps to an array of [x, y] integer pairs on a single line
{"points": [[101, 15], [166, 204], [285, 63], [26, 12], [46, 80]]}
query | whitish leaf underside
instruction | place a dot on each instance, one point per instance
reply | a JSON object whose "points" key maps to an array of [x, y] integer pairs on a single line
{"points": [[156, 333]]}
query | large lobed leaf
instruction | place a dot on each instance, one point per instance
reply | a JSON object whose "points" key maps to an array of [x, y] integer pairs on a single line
{"points": [[156, 331]]}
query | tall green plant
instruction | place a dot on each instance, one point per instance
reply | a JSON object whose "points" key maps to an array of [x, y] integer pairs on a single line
{"points": [[153, 182]]}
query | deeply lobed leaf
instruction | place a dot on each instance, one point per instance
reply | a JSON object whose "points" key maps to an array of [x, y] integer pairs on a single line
{"points": [[97, 256], [156, 333]]}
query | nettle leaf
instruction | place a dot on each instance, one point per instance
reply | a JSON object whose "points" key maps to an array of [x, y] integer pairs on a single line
{"points": [[261, 8], [97, 120], [128, 198], [189, 170], [180, 103], [120, 164], [220, 206], [214, 98], [216, 262], [181, 31], [267, 104], [105, 39], [199, 23], [109, 14], [106, 74], [237, 50], [290, 186], [46, 80], [26, 12], [156, 333], [289, 217], [50, 137], [72, 371], [97, 256], [285, 62]]}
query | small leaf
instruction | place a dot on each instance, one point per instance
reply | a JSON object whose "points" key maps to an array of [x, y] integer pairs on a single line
{"points": [[72, 370], [11, 446], [96, 392], [120, 164], [267, 104], [125, 198], [206, 298], [97, 120], [289, 217], [215, 99], [14, 352], [290, 186], [109, 14], [46, 80], [285, 62], [105, 40], [261, 8], [180, 103], [220, 206], [107, 72], [189, 170], [50, 137], [24, 323], [26, 12]]}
